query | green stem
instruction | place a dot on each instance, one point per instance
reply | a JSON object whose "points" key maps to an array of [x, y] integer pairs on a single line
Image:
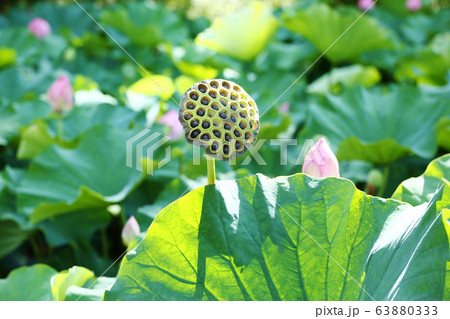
{"points": [[181, 164], [60, 129], [104, 238], [384, 183], [35, 248], [211, 170]]}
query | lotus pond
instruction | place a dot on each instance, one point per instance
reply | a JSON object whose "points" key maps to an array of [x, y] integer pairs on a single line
{"points": [[326, 129]]}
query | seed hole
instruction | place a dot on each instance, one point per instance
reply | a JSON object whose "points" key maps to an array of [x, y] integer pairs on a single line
{"points": [[237, 133], [205, 137], [239, 146], [201, 111], [248, 137], [223, 102], [233, 106], [187, 116], [236, 88], [226, 149], [214, 84], [190, 105], [243, 114], [214, 147], [226, 85], [215, 106], [205, 100], [206, 124], [194, 123], [212, 94], [217, 133], [193, 95], [202, 88], [234, 96], [227, 126], [195, 133], [224, 93], [243, 104], [242, 125], [223, 114]]}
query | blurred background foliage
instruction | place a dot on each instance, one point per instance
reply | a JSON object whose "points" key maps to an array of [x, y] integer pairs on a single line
{"points": [[380, 96]]}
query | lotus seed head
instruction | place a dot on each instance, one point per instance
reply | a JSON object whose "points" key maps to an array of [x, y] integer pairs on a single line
{"points": [[219, 116]]}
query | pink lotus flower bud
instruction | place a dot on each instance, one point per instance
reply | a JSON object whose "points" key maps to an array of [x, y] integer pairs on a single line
{"points": [[60, 95], [171, 119], [365, 5], [321, 161], [39, 27], [413, 5], [284, 108], [130, 231]]}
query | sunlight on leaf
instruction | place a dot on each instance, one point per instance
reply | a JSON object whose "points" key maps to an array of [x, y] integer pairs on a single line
{"points": [[159, 85], [242, 35], [250, 239], [323, 25]]}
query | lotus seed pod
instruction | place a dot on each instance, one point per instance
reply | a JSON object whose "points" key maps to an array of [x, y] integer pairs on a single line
{"points": [[219, 116]]}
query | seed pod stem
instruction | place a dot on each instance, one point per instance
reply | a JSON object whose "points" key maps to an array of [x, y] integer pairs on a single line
{"points": [[211, 168]]}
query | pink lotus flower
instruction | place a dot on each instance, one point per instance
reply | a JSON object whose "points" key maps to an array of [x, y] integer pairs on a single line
{"points": [[130, 231], [39, 27], [60, 95], [284, 107], [366, 4], [171, 119], [413, 5], [321, 161]]}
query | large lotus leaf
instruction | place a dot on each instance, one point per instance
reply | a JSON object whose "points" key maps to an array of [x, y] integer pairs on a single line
{"points": [[75, 276], [26, 45], [288, 238], [378, 125], [13, 227], [39, 135], [403, 263], [59, 230], [12, 117], [11, 236], [90, 291], [92, 175], [242, 35], [418, 190], [159, 85], [27, 284], [9, 124], [348, 76], [323, 25], [146, 24], [18, 82], [424, 67]]}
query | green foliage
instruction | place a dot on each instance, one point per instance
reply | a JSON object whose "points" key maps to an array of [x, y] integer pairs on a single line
{"points": [[137, 19], [28, 284], [379, 95], [323, 25], [419, 190], [288, 239], [364, 125], [102, 182]]}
